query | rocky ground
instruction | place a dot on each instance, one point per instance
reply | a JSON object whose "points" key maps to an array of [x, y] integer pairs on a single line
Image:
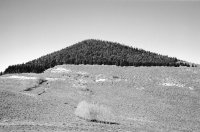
{"points": [[141, 99]]}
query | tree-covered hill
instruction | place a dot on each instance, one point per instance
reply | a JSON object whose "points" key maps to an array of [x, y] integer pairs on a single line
{"points": [[97, 52]]}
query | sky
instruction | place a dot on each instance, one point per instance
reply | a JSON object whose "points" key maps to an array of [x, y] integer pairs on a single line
{"points": [[30, 29]]}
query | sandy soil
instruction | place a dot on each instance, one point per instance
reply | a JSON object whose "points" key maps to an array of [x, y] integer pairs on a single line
{"points": [[142, 99]]}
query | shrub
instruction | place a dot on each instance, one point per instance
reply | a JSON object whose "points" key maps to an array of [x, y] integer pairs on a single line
{"points": [[93, 112], [40, 80], [35, 83]]}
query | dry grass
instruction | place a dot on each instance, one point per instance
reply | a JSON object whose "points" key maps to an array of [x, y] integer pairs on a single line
{"points": [[141, 103]]}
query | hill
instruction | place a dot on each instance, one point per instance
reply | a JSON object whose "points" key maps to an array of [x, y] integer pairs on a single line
{"points": [[97, 52]]}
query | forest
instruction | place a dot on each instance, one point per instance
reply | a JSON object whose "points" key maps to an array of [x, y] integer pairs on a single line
{"points": [[97, 52]]}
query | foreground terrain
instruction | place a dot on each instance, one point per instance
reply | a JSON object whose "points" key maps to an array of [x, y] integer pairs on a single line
{"points": [[141, 99]]}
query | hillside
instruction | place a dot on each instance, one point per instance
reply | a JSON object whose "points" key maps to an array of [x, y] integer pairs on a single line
{"points": [[130, 99], [97, 52]]}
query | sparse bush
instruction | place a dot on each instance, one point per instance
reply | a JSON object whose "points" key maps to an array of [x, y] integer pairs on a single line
{"points": [[115, 77], [41, 80], [34, 84], [93, 112]]}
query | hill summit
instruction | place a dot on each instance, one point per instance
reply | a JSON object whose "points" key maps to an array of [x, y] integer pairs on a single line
{"points": [[98, 52]]}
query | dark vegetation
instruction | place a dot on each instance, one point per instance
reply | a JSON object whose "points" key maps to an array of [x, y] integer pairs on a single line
{"points": [[39, 82], [97, 52]]}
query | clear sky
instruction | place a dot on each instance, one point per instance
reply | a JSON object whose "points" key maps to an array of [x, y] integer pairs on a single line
{"points": [[32, 28]]}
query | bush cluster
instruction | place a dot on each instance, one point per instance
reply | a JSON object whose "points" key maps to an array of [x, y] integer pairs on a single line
{"points": [[93, 112]]}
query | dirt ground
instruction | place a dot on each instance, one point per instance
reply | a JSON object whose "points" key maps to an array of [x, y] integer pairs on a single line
{"points": [[142, 99]]}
